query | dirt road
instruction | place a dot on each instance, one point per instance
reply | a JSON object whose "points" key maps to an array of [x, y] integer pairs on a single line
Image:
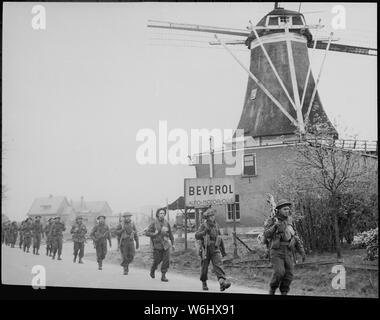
{"points": [[16, 269]]}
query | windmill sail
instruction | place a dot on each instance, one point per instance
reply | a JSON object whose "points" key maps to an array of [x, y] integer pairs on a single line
{"points": [[344, 48]]}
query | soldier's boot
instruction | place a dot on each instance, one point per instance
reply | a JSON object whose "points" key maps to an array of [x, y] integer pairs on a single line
{"points": [[204, 286], [27, 250], [80, 260], [53, 256], [284, 293], [47, 252], [272, 291], [59, 257], [34, 250], [100, 265], [126, 270], [224, 284], [37, 252], [152, 273], [163, 277], [75, 259]]}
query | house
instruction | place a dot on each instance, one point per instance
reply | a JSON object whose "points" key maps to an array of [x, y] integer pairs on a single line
{"points": [[90, 210], [50, 207]]}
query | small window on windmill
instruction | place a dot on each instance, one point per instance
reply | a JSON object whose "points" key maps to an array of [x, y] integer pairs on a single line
{"points": [[284, 20], [253, 94], [249, 165], [297, 21], [273, 21]]}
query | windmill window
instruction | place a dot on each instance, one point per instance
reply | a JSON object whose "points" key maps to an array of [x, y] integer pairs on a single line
{"points": [[253, 94], [297, 21], [273, 21], [233, 209], [249, 165], [284, 19]]}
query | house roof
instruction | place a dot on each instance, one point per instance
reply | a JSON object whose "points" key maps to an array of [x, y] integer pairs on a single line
{"points": [[90, 206], [47, 206]]}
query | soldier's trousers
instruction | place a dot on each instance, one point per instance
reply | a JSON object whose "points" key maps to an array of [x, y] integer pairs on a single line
{"points": [[49, 244], [283, 268], [21, 240], [101, 250], [79, 248], [215, 257], [57, 245], [36, 241], [14, 239], [27, 242], [127, 250], [161, 255]]}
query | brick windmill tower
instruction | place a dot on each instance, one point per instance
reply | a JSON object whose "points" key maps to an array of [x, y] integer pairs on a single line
{"points": [[281, 100]]}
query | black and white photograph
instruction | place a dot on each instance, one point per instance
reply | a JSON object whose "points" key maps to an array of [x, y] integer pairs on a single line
{"points": [[222, 149]]}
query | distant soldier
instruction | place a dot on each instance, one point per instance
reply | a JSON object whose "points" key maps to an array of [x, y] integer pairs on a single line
{"points": [[160, 233], [38, 232], [7, 237], [21, 233], [56, 234], [283, 242], [100, 234], [127, 233], [78, 230], [27, 231], [13, 230], [2, 232], [49, 241], [211, 249]]}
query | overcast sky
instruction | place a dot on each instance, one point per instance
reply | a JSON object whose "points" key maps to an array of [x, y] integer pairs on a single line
{"points": [[76, 94]]}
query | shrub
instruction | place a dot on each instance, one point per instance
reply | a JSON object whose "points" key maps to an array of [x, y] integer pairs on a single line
{"points": [[369, 241]]}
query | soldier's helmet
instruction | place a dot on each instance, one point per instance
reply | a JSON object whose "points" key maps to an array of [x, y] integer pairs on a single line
{"points": [[57, 218], [282, 203], [50, 219], [28, 219], [37, 217], [79, 218], [159, 211], [127, 214], [209, 212], [98, 218]]}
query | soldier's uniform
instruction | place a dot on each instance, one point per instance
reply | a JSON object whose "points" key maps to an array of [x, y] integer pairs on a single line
{"points": [[38, 232], [7, 237], [78, 230], [27, 231], [56, 234], [127, 235], [13, 230], [100, 234], [160, 233], [283, 243], [211, 249], [21, 233], [49, 242]]}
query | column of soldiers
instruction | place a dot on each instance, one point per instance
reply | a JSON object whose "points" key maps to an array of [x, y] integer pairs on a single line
{"points": [[279, 233]]}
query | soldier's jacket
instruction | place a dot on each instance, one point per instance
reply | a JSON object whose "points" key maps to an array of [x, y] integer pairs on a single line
{"points": [[213, 232], [57, 229], [284, 233], [13, 228], [101, 232], [21, 227], [79, 232], [47, 230], [27, 229], [37, 228], [160, 240], [127, 231]]}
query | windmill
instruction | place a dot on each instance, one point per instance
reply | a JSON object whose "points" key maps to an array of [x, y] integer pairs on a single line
{"points": [[282, 94]]}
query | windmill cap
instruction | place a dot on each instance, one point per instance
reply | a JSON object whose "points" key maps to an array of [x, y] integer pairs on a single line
{"points": [[283, 202], [209, 212]]}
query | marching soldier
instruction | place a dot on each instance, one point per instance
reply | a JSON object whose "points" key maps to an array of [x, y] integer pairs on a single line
{"points": [[211, 249], [21, 233], [38, 232], [160, 233], [78, 230], [283, 242], [127, 233], [100, 234], [13, 230], [56, 234], [27, 231], [7, 227], [49, 242]]}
